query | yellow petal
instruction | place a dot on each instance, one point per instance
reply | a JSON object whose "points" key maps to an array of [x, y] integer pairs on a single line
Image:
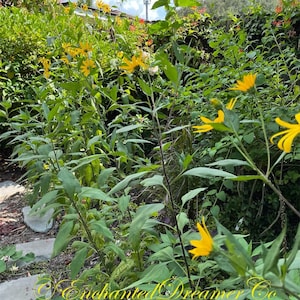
{"points": [[230, 105], [297, 117], [285, 143], [204, 246], [206, 120], [202, 128], [220, 118], [277, 134], [284, 123]]}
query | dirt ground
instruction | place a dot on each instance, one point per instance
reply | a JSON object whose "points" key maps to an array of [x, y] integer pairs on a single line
{"points": [[13, 230]]}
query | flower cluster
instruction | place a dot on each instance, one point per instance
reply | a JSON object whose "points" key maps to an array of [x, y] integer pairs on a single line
{"points": [[46, 66], [103, 6], [84, 50], [135, 62]]}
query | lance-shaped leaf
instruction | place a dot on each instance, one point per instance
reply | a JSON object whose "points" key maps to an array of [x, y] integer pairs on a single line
{"points": [[142, 215], [208, 172]]}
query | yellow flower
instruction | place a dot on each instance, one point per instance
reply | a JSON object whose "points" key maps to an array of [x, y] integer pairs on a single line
{"points": [[207, 126], [120, 54], [66, 46], [285, 143], [132, 64], [204, 246], [86, 67], [246, 84], [106, 8], [72, 51], [99, 4], [67, 10], [230, 105], [46, 65], [118, 21], [85, 7], [85, 48], [65, 60]]}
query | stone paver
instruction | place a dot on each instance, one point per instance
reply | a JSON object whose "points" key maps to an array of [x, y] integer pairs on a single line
{"points": [[24, 289], [9, 188], [27, 288], [36, 222], [42, 249]]}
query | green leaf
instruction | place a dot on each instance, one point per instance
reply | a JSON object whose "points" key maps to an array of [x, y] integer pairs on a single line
{"points": [[238, 251], [53, 112], [142, 215], [246, 178], [271, 259], [63, 237], [104, 175], [177, 128], [122, 269], [228, 162], [186, 3], [215, 210], [155, 180], [113, 247], [187, 160], [249, 138], [69, 181], [160, 3], [208, 172], [50, 196], [94, 193], [129, 128], [191, 194], [83, 161], [93, 141], [2, 266], [182, 220], [78, 261], [28, 257], [231, 120], [156, 273], [123, 202], [124, 183], [145, 87], [165, 254], [294, 251], [137, 141], [100, 226], [80, 244], [251, 54], [165, 146], [220, 127], [169, 69]]}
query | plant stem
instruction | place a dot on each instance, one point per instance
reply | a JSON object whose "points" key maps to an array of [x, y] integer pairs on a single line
{"points": [[87, 230], [264, 177], [169, 189]]}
